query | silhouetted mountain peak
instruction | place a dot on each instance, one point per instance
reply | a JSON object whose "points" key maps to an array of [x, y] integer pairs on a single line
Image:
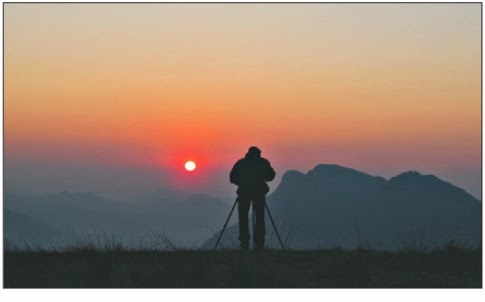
{"points": [[406, 176], [333, 171], [292, 175], [414, 177], [323, 170], [413, 180], [290, 180], [326, 176], [327, 169]]}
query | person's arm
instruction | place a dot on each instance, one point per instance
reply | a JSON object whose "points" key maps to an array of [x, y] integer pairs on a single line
{"points": [[270, 173], [234, 175]]}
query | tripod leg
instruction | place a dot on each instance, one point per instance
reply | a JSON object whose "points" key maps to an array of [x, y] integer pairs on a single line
{"points": [[224, 227], [254, 228], [274, 226]]}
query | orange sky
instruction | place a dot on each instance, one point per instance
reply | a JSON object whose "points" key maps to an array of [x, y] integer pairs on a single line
{"points": [[382, 87]]}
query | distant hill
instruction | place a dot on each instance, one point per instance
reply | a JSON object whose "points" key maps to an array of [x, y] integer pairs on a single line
{"points": [[19, 229], [83, 211], [333, 205], [186, 219]]}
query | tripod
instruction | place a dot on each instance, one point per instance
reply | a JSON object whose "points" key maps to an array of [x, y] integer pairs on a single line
{"points": [[229, 217]]}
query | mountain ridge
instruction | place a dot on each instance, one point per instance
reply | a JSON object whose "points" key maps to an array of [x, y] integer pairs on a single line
{"points": [[329, 203], [325, 205]]}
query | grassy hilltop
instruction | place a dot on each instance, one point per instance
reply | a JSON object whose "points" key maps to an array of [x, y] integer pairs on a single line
{"points": [[332, 268]]}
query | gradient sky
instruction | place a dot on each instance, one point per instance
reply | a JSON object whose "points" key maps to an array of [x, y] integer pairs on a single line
{"points": [[382, 88]]}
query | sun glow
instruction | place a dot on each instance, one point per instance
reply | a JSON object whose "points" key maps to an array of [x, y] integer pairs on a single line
{"points": [[190, 166]]}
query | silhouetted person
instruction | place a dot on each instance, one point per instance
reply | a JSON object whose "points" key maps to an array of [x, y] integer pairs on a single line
{"points": [[250, 174]]}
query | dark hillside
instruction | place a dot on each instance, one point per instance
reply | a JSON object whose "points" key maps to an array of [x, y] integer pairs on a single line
{"points": [[338, 206]]}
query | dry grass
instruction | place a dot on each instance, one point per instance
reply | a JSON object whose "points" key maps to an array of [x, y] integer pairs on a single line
{"points": [[87, 267]]}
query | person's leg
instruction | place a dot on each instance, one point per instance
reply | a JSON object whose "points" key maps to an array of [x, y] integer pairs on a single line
{"points": [[243, 209], [260, 231]]}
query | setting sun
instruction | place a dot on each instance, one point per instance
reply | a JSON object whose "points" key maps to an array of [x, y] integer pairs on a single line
{"points": [[190, 166]]}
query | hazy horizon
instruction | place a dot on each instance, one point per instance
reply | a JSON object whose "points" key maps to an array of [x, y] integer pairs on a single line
{"points": [[114, 98], [136, 181]]}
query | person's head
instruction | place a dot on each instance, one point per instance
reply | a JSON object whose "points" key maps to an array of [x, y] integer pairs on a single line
{"points": [[254, 152]]}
